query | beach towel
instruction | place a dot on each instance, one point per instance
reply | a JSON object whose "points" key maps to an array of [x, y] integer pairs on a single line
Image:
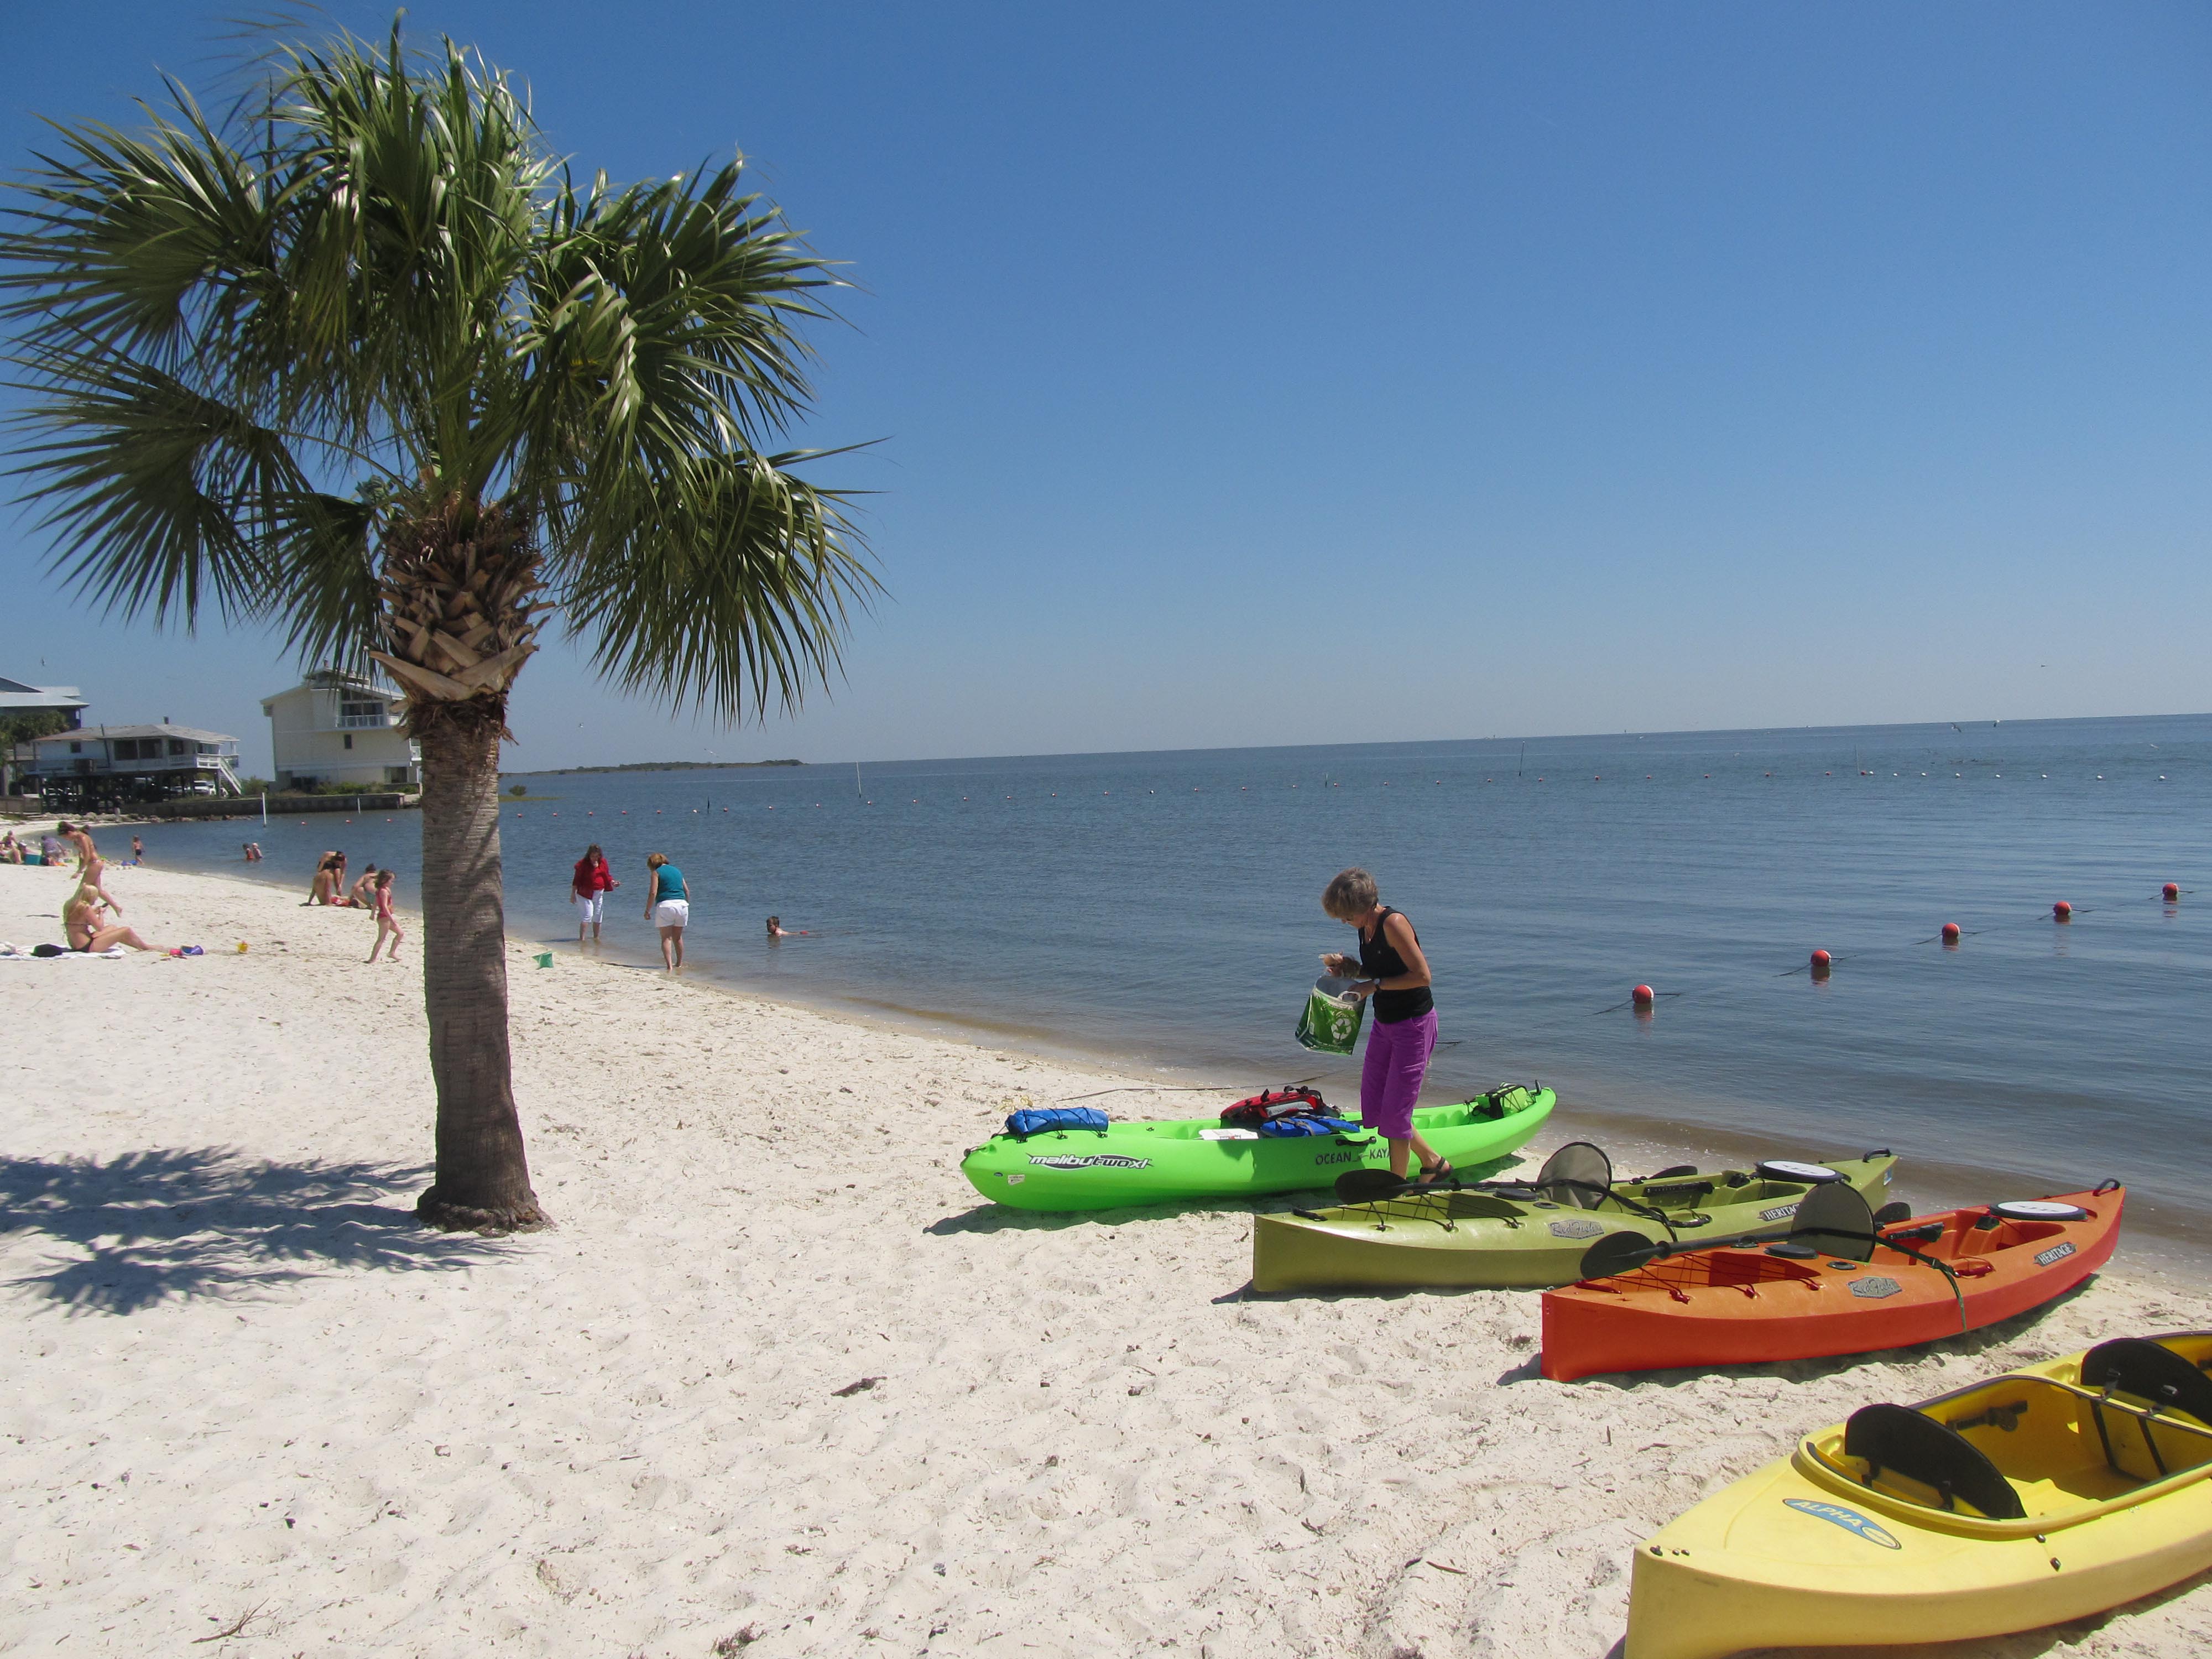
{"points": [[1331, 1021]]}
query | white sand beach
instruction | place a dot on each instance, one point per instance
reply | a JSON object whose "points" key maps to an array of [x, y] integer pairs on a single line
{"points": [[778, 1383]]}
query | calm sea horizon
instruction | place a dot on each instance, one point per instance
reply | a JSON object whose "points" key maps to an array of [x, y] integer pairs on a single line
{"points": [[1161, 911]]}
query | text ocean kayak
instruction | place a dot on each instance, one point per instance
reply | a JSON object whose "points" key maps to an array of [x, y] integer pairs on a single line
{"points": [[2043, 1495], [1749, 1306], [1163, 1162], [1448, 1239]]}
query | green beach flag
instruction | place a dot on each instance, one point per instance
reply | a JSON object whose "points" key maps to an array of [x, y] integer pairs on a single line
{"points": [[1330, 1024]]}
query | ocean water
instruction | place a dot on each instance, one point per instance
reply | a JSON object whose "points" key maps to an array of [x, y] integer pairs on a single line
{"points": [[1163, 909]]}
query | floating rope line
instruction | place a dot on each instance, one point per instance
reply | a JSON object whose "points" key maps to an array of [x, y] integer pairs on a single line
{"points": [[2042, 919], [1631, 1002]]}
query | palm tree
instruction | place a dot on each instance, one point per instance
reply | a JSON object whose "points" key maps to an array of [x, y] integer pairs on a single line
{"points": [[364, 361]]}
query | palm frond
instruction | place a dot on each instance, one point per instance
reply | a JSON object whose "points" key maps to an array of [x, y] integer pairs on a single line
{"points": [[729, 588], [372, 272], [164, 497], [667, 317]]}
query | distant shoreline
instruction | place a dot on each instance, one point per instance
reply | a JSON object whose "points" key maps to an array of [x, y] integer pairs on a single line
{"points": [[652, 766]]}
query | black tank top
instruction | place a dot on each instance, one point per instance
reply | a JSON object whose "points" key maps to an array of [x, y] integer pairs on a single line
{"points": [[1379, 959]]}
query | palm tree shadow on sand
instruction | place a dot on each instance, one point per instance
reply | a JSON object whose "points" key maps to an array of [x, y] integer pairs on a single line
{"points": [[171, 1224]]}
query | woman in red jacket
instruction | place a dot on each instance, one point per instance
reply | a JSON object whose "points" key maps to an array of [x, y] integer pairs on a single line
{"points": [[589, 887]]}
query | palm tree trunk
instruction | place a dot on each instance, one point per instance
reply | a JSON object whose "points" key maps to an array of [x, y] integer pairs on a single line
{"points": [[483, 1175]]}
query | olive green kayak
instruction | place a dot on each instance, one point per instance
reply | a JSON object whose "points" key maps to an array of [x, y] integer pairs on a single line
{"points": [[1164, 1161], [1509, 1235]]}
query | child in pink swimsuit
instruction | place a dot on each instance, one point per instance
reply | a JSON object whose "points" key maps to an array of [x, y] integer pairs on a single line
{"points": [[386, 922]]}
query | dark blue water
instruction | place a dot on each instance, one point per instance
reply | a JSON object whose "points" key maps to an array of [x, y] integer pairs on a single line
{"points": [[1163, 909]]}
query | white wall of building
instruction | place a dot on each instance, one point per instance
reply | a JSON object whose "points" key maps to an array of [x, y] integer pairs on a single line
{"points": [[340, 734]]}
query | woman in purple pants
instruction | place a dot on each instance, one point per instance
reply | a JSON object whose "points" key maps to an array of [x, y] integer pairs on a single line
{"points": [[1391, 970]]}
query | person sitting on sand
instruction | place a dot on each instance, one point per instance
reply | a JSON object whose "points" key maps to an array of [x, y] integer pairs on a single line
{"points": [[1405, 1031], [364, 891], [89, 886], [87, 932], [387, 925], [588, 887], [669, 908], [325, 888], [11, 850]]}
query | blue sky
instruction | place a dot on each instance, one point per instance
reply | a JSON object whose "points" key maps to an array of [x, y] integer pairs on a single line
{"points": [[1253, 375]]}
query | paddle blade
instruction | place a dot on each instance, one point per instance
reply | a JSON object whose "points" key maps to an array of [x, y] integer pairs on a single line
{"points": [[1835, 1220], [1619, 1252], [1366, 1186], [1578, 1163]]}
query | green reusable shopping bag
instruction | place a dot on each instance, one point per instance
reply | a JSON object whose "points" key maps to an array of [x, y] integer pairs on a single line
{"points": [[1330, 1024]]}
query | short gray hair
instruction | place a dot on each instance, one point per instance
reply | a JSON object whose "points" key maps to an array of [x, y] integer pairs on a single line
{"points": [[1349, 893]]}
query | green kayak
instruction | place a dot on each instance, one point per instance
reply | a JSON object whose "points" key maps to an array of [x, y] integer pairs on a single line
{"points": [[1511, 1236], [1160, 1162]]}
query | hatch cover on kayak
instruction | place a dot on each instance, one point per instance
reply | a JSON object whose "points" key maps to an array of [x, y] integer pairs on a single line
{"points": [[1783, 1169]]}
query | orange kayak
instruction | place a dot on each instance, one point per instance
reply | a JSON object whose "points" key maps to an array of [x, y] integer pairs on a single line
{"points": [[1751, 1304]]}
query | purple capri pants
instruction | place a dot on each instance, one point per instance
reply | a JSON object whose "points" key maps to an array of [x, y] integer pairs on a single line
{"points": [[1390, 1081]]}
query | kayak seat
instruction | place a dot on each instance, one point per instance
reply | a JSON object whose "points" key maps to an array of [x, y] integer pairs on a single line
{"points": [[1578, 1174], [1481, 1207], [1495, 1103], [1679, 1195], [1834, 1221], [2149, 1371], [1901, 1441]]}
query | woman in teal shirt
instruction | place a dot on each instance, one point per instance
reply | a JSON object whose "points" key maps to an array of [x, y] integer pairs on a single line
{"points": [[668, 906]]}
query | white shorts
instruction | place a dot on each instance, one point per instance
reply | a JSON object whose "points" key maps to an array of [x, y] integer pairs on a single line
{"points": [[671, 913], [589, 907]]}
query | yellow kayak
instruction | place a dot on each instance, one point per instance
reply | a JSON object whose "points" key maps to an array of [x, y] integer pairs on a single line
{"points": [[2046, 1494]]}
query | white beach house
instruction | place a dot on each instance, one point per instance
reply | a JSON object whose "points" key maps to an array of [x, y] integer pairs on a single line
{"points": [[339, 728], [49, 705], [104, 766]]}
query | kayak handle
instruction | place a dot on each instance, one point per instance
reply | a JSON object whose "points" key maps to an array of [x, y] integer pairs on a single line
{"points": [[2107, 1185]]}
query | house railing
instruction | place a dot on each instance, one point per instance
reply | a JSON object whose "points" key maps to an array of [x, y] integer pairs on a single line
{"points": [[225, 766], [364, 723]]}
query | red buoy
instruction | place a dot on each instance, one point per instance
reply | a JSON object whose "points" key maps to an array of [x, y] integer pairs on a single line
{"points": [[2172, 892], [2062, 911], [1950, 932], [1642, 996]]}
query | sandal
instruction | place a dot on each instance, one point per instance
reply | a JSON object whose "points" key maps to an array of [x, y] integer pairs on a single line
{"points": [[1432, 1173]]}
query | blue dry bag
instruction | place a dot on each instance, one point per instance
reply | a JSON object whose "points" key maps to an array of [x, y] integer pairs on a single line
{"points": [[1309, 1125], [1037, 1119]]}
